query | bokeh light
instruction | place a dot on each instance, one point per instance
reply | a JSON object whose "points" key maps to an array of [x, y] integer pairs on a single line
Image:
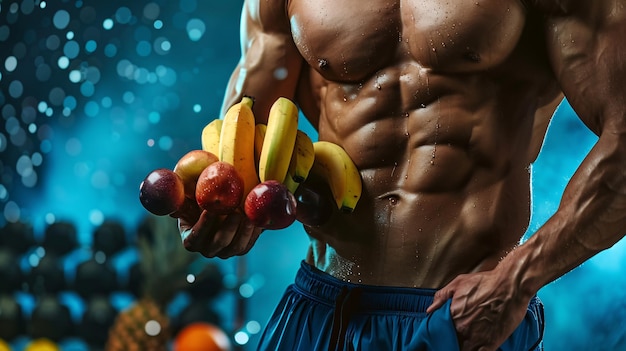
{"points": [[92, 84]]}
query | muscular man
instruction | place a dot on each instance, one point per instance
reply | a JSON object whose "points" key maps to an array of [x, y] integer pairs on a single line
{"points": [[443, 106]]}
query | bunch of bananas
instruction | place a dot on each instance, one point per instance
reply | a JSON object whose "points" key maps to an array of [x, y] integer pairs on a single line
{"points": [[280, 151]]}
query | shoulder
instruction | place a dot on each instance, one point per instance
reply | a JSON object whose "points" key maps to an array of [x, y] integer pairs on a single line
{"points": [[270, 15]]}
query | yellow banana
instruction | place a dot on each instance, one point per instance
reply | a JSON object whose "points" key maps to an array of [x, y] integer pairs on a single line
{"points": [[280, 138], [211, 136], [289, 180], [302, 158], [259, 136], [333, 164], [237, 142], [301, 161]]}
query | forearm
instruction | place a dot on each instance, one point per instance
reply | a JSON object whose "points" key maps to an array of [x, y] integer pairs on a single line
{"points": [[590, 218]]}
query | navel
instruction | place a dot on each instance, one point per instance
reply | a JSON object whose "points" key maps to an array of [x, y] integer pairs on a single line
{"points": [[471, 55]]}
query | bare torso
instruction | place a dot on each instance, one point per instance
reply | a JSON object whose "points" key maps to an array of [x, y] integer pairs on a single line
{"points": [[436, 103]]}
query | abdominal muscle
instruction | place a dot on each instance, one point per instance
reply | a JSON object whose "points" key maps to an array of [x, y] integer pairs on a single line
{"points": [[442, 192]]}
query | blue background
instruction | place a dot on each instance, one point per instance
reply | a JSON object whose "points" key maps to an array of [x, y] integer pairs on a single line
{"points": [[95, 94]]}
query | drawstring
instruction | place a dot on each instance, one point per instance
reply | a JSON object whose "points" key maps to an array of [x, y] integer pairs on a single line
{"points": [[346, 305]]}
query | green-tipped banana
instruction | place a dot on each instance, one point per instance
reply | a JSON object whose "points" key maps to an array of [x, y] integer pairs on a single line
{"points": [[280, 138], [302, 158], [333, 164], [291, 184]]}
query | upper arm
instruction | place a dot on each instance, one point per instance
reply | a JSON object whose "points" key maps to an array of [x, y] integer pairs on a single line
{"points": [[270, 63], [587, 48]]}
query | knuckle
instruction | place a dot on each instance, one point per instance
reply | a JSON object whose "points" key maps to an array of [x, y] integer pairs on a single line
{"points": [[220, 242], [189, 246], [189, 243], [236, 248]]}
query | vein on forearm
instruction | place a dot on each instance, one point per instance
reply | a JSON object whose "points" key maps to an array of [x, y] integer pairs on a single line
{"points": [[590, 219]]}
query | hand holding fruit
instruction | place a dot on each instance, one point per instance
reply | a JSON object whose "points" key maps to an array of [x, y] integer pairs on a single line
{"points": [[219, 227], [218, 236], [223, 200], [212, 223]]}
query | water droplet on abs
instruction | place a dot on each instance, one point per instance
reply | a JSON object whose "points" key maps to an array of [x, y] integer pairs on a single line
{"points": [[393, 200]]}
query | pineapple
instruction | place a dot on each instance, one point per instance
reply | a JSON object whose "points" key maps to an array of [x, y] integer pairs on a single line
{"points": [[145, 326]]}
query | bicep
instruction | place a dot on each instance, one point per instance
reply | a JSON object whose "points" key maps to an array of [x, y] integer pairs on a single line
{"points": [[270, 63], [586, 47]]}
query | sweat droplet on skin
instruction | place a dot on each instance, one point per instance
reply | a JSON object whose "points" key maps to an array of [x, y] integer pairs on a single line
{"points": [[322, 64]]}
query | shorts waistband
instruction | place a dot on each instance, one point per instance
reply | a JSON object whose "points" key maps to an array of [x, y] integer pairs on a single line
{"points": [[328, 289]]}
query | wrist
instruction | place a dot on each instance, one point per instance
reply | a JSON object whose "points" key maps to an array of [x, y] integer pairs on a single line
{"points": [[520, 266]]}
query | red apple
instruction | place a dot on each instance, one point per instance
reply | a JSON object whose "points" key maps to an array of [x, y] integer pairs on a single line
{"points": [[270, 205], [162, 192], [190, 166], [220, 188], [315, 206]]}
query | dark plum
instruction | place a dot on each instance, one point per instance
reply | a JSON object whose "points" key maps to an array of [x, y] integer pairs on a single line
{"points": [[270, 205], [162, 192]]}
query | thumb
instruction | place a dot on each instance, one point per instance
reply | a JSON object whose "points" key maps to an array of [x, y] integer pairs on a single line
{"points": [[440, 299]]}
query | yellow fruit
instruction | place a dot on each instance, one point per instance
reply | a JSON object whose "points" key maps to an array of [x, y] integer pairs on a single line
{"points": [[280, 138], [237, 142], [211, 136], [333, 164], [4, 346], [302, 158], [259, 136], [42, 344]]}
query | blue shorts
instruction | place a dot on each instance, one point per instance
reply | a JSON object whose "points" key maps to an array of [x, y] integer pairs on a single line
{"points": [[320, 312]]}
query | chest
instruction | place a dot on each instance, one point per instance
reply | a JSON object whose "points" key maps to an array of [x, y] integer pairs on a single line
{"points": [[349, 40]]}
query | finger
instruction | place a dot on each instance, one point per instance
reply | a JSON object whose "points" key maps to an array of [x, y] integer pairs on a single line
{"points": [[440, 299], [256, 233], [196, 237], [225, 235], [240, 242]]}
